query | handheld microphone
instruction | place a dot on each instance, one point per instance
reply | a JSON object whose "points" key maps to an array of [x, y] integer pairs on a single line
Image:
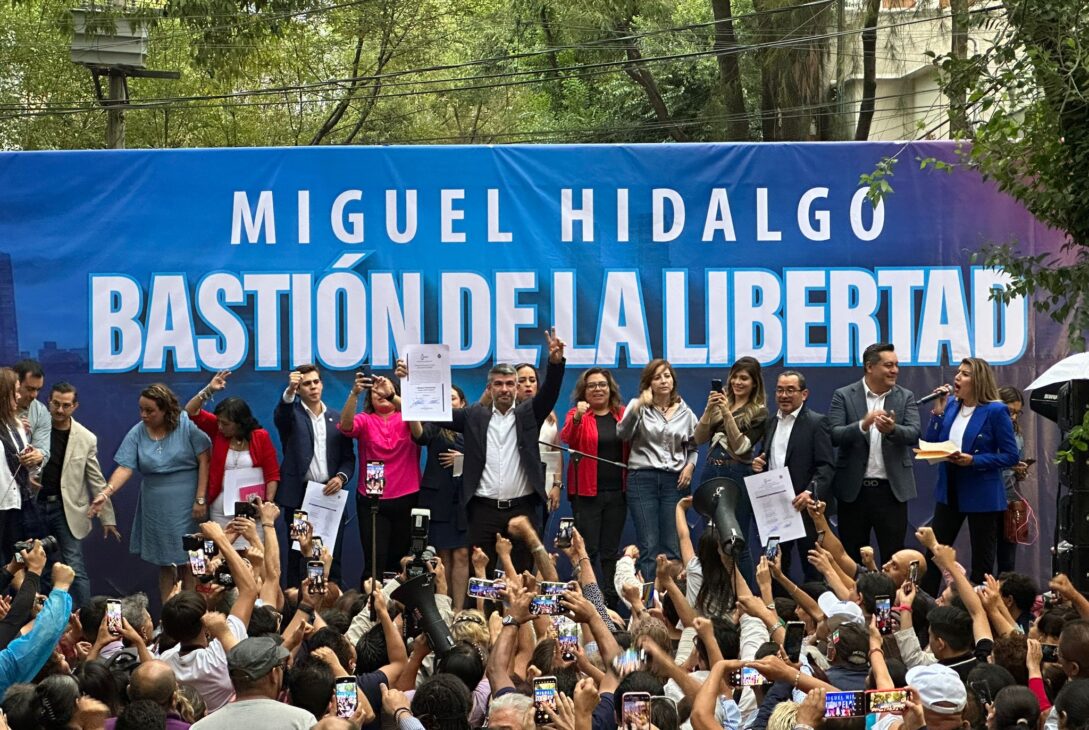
{"points": [[940, 393]]}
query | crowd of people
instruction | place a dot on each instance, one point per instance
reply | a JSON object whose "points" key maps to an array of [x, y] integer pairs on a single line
{"points": [[845, 628]]}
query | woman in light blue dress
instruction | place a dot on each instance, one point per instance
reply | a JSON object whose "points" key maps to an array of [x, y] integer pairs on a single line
{"points": [[172, 456]]}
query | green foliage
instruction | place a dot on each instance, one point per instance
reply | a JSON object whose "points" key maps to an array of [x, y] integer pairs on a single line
{"points": [[1077, 439]]}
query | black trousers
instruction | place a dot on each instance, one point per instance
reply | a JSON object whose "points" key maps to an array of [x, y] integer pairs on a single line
{"points": [[878, 511], [392, 528], [983, 529], [600, 520], [486, 520]]}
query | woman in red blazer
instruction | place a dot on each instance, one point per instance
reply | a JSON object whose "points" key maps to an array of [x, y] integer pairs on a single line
{"points": [[599, 505], [238, 442]]}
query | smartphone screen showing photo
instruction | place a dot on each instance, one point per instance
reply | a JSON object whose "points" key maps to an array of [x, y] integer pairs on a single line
{"points": [[565, 531], [845, 704], [347, 699], [298, 523], [376, 478], [635, 710], [481, 588], [883, 614], [888, 700], [544, 695], [113, 617], [772, 549], [315, 571], [544, 606], [198, 562]]}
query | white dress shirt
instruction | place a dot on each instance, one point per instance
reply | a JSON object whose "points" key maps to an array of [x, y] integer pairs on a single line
{"points": [[778, 451], [875, 465], [319, 464], [9, 486], [503, 476]]}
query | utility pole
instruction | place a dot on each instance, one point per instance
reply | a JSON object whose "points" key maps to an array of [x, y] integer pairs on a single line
{"points": [[117, 53], [115, 112]]}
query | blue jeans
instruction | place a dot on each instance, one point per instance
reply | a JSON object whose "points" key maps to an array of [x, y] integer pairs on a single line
{"points": [[720, 464], [652, 502], [69, 550]]}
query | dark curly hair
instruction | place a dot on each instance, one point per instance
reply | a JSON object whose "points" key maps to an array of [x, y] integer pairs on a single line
{"points": [[443, 703]]}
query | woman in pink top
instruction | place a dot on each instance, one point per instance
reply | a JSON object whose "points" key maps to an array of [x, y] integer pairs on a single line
{"points": [[383, 437]]}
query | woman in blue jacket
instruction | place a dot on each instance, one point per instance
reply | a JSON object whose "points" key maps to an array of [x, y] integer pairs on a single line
{"points": [[970, 483]]}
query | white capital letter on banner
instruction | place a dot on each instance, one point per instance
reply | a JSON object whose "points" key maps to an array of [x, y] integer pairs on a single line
{"points": [[226, 349], [878, 223], [466, 299], [510, 317], [388, 314], [584, 215], [266, 315], [342, 315], [719, 217], [675, 322], [763, 229], [987, 313], [450, 214], [115, 306], [852, 304], [395, 234], [901, 283], [336, 218], [623, 321], [757, 299], [170, 325], [944, 317], [676, 204], [800, 316], [265, 218], [494, 234], [565, 319], [823, 230]]}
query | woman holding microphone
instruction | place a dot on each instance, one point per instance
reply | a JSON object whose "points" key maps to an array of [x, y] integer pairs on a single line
{"points": [[659, 427], [970, 481]]}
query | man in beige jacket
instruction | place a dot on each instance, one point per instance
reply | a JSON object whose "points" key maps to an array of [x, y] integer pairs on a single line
{"points": [[70, 479]]}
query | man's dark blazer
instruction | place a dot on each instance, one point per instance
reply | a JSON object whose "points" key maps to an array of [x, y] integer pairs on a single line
{"points": [[529, 416], [297, 443], [810, 456], [847, 409]]}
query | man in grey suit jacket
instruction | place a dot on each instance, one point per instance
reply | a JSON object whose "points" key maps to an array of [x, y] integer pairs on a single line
{"points": [[875, 424], [69, 481]]}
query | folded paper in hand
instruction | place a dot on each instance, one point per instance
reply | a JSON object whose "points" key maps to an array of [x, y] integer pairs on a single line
{"points": [[934, 453]]}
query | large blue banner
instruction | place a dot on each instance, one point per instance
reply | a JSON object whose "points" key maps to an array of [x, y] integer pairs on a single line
{"points": [[118, 269]]}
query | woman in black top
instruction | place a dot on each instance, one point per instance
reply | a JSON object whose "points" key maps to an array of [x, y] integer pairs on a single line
{"points": [[440, 492]]}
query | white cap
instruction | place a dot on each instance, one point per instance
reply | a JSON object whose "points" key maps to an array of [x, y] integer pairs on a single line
{"points": [[838, 612], [939, 687]]}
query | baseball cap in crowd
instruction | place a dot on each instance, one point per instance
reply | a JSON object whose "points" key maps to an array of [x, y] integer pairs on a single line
{"points": [[256, 656], [939, 687], [838, 612]]}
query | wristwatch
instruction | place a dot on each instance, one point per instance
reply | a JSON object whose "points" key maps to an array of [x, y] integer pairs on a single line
{"points": [[509, 620], [201, 500]]}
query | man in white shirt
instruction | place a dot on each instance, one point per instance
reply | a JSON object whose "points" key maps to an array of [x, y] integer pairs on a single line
{"points": [[503, 473], [875, 424], [798, 440], [205, 637], [314, 450]]}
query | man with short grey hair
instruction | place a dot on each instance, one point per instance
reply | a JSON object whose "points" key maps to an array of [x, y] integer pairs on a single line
{"points": [[510, 712], [503, 473]]}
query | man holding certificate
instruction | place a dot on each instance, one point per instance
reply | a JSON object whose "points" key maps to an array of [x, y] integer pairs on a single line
{"points": [[798, 439]]}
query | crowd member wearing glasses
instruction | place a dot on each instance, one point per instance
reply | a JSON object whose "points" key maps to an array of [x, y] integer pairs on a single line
{"points": [[71, 478], [799, 439], [659, 425], [599, 505]]}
